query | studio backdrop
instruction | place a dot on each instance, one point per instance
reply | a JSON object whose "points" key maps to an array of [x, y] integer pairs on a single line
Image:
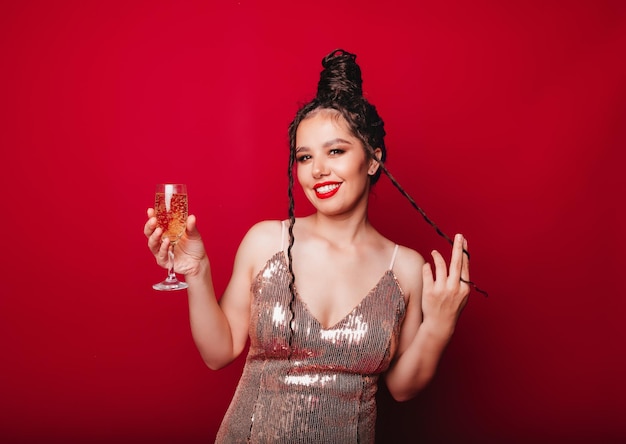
{"points": [[505, 121]]}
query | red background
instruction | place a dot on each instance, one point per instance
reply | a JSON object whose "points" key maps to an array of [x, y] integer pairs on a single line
{"points": [[506, 121]]}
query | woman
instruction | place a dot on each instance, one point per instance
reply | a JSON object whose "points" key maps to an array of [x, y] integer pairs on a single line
{"points": [[328, 303]]}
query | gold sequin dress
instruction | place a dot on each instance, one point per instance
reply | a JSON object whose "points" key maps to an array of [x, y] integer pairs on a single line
{"points": [[323, 391]]}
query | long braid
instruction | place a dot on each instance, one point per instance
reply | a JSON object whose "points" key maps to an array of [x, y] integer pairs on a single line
{"points": [[340, 89], [292, 221], [426, 218], [371, 132]]}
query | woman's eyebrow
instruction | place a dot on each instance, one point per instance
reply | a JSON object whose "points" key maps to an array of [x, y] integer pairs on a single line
{"points": [[326, 144], [335, 141]]}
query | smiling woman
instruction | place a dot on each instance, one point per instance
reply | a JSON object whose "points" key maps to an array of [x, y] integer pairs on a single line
{"points": [[329, 157], [328, 303]]}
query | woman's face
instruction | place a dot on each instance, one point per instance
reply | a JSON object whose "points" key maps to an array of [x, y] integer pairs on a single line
{"points": [[332, 166]]}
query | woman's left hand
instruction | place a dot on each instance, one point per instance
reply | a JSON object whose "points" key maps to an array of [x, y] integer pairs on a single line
{"points": [[444, 296]]}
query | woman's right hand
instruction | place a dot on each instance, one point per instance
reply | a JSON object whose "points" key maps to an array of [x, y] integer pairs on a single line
{"points": [[189, 251]]}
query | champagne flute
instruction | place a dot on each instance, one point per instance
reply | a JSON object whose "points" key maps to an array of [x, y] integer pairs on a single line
{"points": [[170, 206]]}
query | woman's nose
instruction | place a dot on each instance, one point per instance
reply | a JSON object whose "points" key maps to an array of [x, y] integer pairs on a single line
{"points": [[320, 168]]}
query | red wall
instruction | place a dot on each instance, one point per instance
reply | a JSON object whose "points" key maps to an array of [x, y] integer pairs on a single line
{"points": [[506, 122]]}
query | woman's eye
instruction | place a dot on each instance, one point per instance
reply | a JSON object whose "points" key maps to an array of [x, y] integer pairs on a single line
{"points": [[336, 151], [303, 158]]}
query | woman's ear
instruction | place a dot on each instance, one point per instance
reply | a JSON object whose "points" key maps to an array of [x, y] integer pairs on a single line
{"points": [[374, 165]]}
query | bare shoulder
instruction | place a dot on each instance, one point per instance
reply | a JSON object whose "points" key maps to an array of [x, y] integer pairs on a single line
{"points": [[264, 231], [261, 241], [408, 269], [410, 257]]}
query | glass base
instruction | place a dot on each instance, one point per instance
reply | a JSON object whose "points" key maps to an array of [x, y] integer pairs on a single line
{"points": [[170, 285]]}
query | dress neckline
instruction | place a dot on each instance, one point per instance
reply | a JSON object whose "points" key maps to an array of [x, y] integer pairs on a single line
{"points": [[334, 325], [344, 318]]}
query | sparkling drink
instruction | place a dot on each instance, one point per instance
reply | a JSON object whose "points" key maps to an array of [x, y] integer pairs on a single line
{"points": [[171, 213], [170, 206]]}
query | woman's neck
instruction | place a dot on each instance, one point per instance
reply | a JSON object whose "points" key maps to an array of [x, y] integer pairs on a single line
{"points": [[342, 229]]}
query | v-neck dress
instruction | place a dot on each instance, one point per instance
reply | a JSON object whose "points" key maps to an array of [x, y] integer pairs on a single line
{"points": [[310, 384]]}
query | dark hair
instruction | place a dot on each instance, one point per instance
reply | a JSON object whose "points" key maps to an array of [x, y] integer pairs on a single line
{"points": [[340, 88]]}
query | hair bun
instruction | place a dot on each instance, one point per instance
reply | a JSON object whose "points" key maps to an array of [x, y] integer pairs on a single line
{"points": [[340, 80]]}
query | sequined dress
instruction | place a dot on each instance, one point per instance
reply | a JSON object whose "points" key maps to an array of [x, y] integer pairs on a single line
{"points": [[324, 390]]}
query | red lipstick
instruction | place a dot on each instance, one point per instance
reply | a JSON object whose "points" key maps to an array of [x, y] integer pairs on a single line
{"points": [[325, 190]]}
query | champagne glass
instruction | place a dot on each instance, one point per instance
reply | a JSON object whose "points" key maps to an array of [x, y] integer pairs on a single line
{"points": [[170, 205]]}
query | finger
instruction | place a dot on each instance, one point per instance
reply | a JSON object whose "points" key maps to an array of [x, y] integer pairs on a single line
{"points": [[441, 270], [427, 277], [154, 240], [162, 254], [192, 229], [465, 274], [456, 261], [150, 224]]}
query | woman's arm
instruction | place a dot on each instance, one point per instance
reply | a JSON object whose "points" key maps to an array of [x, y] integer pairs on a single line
{"points": [[435, 304], [219, 330]]}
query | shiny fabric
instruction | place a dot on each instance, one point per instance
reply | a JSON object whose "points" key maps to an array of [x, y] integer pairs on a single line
{"points": [[322, 388]]}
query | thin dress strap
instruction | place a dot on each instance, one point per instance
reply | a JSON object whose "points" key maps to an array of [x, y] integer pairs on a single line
{"points": [[393, 258], [282, 236]]}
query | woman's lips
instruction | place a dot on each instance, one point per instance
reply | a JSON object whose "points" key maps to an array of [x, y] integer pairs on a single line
{"points": [[326, 189]]}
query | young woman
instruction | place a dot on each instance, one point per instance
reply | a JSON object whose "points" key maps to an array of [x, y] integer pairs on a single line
{"points": [[327, 302]]}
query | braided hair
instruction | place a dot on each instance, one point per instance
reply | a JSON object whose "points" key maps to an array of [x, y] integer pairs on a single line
{"points": [[340, 89]]}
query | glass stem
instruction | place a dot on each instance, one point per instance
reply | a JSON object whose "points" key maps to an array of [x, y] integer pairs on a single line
{"points": [[171, 276]]}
